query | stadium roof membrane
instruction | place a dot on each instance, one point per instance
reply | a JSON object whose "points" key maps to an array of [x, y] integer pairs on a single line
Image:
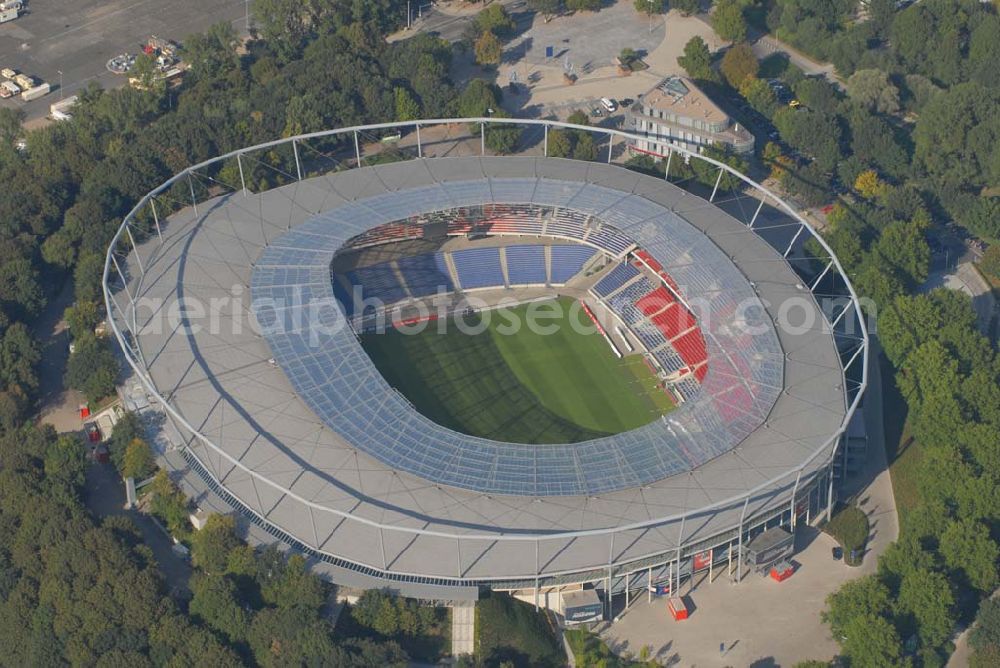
{"points": [[330, 370]]}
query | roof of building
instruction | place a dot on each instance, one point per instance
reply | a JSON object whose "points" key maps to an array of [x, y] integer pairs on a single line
{"points": [[678, 95]]}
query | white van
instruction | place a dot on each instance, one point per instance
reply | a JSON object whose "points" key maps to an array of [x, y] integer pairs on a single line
{"points": [[609, 104]]}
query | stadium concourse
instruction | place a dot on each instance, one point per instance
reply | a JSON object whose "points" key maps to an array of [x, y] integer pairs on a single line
{"points": [[293, 427]]}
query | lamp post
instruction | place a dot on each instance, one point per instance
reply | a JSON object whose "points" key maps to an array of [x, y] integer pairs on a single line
{"points": [[60, 84]]}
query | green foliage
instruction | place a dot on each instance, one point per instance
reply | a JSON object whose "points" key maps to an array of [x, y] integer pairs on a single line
{"points": [[986, 632], [546, 7], [494, 19], [82, 318], [990, 261], [685, 7], [92, 368], [728, 21], [138, 461], [650, 7], [925, 596], [169, 504], [390, 615], [871, 88], [590, 651], [72, 591], [407, 108], [966, 546], [510, 630], [478, 97], [583, 5], [850, 527], [212, 544], [739, 64], [697, 59]]}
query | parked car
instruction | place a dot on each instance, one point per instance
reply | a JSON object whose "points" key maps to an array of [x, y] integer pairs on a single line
{"points": [[609, 104]]}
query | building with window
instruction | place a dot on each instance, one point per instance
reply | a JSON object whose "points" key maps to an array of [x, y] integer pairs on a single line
{"points": [[676, 112]]}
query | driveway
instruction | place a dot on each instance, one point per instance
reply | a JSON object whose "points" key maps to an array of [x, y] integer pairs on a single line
{"points": [[58, 405]]}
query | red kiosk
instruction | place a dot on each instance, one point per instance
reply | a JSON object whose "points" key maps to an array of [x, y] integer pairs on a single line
{"points": [[677, 608], [782, 570]]}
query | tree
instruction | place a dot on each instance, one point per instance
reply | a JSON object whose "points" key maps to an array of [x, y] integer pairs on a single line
{"points": [[496, 20], [697, 59], [559, 145], [92, 368], [546, 7], [478, 98], [739, 64], [871, 641], [986, 632], [869, 185], [212, 54], [138, 462], [728, 21], [215, 600], [957, 136], [926, 596], [967, 546], [866, 595], [872, 89], [407, 108], [686, 7], [990, 261], [760, 95], [488, 49], [293, 585], [650, 7], [210, 546]]}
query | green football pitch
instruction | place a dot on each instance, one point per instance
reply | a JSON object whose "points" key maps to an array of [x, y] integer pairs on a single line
{"points": [[520, 384]]}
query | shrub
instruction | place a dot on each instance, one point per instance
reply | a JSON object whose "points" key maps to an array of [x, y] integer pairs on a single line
{"points": [[850, 528]]}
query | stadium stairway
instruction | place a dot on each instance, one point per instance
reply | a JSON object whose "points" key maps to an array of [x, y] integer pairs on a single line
{"points": [[503, 267], [450, 263]]}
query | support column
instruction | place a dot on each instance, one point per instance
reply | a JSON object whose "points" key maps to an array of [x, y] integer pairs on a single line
{"points": [[829, 494], [666, 172], [298, 164], [135, 248], [711, 564], [611, 145], [795, 489], [756, 213], [717, 182], [794, 239], [821, 276], [357, 149], [243, 181], [114, 260], [545, 140], [609, 595], [156, 218], [649, 585], [420, 150], [194, 202], [482, 138], [739, 554]]}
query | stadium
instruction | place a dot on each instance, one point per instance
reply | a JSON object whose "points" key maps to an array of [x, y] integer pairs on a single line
{"points": [[295, 310]]}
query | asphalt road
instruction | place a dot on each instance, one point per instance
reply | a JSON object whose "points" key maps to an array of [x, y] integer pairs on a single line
{"points": [[79, 36]]}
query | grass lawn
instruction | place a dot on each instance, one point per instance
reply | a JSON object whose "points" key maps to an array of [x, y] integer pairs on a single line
{"points": [[526, 387], [902, 451]]}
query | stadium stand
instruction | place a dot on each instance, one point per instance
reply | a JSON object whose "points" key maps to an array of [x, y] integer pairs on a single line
{"points": [[479, 267], [615, 278], [424, 274], [568, 261], [525, 265], [379, 281]]}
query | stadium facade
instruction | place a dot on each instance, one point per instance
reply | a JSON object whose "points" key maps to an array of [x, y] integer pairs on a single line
{"points": [[286, 421]]}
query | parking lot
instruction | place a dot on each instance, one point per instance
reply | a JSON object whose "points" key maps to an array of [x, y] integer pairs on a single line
{"points": [[78, 37]]}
